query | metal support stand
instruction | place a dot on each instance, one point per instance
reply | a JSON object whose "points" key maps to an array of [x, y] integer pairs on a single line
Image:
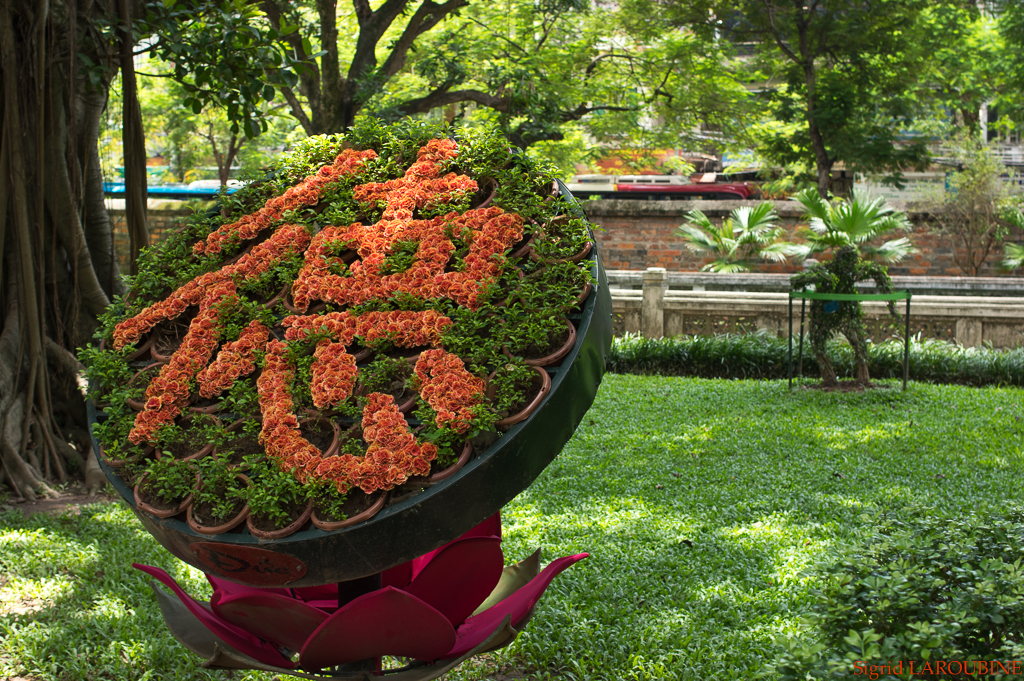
{"points": [[348, 592], [906, 347], [800, 355], [805, 296], [790, 370]]}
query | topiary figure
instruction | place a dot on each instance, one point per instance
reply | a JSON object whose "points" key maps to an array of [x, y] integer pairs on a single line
{"points": [[828, 317]]}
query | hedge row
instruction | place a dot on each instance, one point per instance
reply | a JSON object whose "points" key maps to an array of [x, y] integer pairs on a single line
{"points": [[762, 355]]}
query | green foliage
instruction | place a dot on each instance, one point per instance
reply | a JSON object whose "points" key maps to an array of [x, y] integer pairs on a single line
{"points": [[701, 511], [227, 54], [850, 78], [273, 493], [855, 222], [765, 356], [170, 479], [1013, 256], [978, 209], [327, 501], [922, 589], [827, 317], [382, 374], [747, 235], [220, 487], [510, 382]]}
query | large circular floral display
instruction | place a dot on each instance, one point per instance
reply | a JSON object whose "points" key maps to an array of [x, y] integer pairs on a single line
{"points": [[343, 335]]}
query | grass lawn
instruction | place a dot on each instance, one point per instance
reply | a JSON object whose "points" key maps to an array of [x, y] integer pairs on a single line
{"points": [[701, 502]]}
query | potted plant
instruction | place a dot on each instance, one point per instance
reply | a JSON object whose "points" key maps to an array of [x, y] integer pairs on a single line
{"points": [[192, 436], [218, 501], [165, 490], [334, 510], [278, 502]]}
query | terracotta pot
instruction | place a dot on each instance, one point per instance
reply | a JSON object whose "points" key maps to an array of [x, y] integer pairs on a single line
{"points": [[143, 350], [409, 404], [289, 304], [584, 252], [138, 405], [233, 428], [238, 256], [557, 355], [211, 409], [284, 531], [217, 529], [206, 449], [155, 353], [329, 525], [523, 248], [490, 197], [584, 294], [279, 297], [362, 355], [156, 511], [333, 447], [464, 457], [545, 388]]}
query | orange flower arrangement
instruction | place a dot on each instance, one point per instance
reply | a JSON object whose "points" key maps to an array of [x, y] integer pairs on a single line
{"points": [[489, 231], [448, 388], [287, 240], [393, 454], [235, 359], [406, 329], [333, 374], [306, 193], [168, 392]]}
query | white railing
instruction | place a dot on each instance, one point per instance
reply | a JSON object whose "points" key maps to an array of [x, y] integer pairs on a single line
{"points": [[656, 311]]}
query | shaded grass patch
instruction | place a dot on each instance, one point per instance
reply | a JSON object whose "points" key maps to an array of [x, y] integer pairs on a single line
{"points": [[702, 502]]}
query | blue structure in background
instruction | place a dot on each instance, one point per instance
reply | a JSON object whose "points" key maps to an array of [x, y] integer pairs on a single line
{"points": [[167, 191]]}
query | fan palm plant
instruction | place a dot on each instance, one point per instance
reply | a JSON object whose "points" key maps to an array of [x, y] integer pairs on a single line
{"points": [[855, 222], [747, 235], [1013, 256]]}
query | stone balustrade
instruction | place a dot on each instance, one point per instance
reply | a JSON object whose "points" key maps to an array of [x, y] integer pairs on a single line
{"points": [[656, 311]]}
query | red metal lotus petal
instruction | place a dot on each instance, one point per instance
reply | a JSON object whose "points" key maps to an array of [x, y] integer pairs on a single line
{"points": [[383, 622], [232, 589], [518, 606], [400, 575], [272, 617], [460, 577], [236, 638]]}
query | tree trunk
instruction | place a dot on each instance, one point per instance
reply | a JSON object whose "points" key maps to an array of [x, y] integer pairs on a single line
{"points": [[58, 269]]}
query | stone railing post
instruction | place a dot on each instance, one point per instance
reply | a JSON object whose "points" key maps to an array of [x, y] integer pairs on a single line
{"points": [[653, 311], [968, 332]]}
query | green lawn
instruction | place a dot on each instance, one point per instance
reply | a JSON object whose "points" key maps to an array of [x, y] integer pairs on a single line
{"points": [[700, 501]]}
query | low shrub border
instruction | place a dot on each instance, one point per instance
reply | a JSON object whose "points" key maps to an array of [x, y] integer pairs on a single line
{"points": [[762, 355], [943, 595]]}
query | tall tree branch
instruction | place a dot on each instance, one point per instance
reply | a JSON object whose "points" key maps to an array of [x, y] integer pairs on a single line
{"points": [[296, 108], [428, 15], [442, 97]]}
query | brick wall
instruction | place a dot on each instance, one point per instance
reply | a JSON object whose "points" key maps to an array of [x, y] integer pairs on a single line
{"points": [[162, 218], [635, 235]]}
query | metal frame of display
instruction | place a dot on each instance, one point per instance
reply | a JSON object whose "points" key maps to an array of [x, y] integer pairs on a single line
{"points": [[856, 297]]}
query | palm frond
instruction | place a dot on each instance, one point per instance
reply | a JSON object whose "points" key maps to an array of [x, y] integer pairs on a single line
{"points": [[891, 251], [700, 241], [1013, 256], [776, 252]]}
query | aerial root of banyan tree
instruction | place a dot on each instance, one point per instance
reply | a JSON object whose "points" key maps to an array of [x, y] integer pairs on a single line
{"points": [[57, 269]]}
